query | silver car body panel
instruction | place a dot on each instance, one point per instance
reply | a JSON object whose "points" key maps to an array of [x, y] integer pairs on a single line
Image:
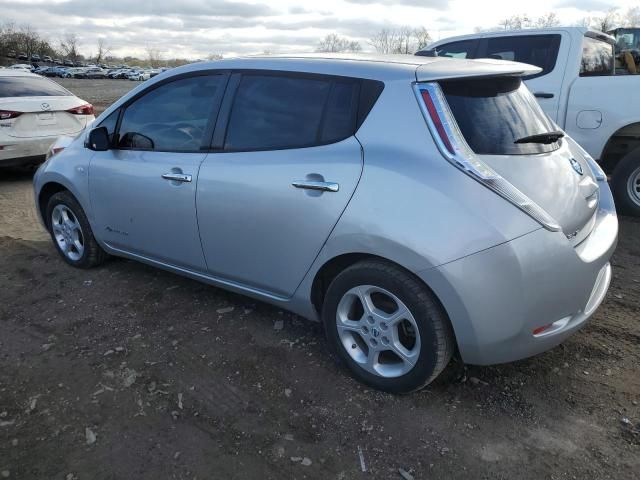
{"points": [[496, 271]]}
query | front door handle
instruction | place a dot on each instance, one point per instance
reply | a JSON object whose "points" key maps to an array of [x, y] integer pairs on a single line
{"points": [[322, 186], [177, 177], [543, 95]]}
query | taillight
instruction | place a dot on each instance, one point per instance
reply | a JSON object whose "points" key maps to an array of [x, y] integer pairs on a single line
{"points": [[455, 149], [86, 109], [7, 114]]}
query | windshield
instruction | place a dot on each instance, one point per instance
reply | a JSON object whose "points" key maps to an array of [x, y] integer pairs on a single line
{"points": [[30, 87], [493, 113]]}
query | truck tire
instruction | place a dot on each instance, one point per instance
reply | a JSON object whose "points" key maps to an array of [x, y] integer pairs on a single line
{"points": [[625, 183]]}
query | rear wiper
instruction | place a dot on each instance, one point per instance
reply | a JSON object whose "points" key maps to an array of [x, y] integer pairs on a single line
{"points": [[546, 138]]}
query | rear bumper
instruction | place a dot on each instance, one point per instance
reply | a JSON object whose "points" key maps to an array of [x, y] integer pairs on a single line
{"points": [[498, 297], [21, 149]]}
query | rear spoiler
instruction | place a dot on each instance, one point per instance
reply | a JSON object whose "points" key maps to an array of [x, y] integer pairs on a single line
{"points": [[448, 68]]}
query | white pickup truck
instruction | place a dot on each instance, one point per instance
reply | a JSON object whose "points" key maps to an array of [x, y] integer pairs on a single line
{"points": [[579, 87]]}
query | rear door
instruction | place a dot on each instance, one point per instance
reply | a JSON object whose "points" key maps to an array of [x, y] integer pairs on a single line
{"points": [[285, 168], [143, 190], [544, 51]]}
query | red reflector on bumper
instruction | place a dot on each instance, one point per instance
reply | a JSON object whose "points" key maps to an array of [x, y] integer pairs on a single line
{"points": [[539, 330]]}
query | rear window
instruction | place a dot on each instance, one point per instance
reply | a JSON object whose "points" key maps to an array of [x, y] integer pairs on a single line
{"points": [[493, 113], [597, 58], [30, 87]]}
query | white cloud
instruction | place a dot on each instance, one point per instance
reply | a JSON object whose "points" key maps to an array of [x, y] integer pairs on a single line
{"points": [[195, 28]]}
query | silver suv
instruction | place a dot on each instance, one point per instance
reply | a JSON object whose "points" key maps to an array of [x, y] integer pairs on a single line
{"points": [[416, 206]]}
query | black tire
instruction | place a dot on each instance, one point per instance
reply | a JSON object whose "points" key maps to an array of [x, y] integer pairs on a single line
{"points": [[93, 255], [437, 339], [626, 169]]}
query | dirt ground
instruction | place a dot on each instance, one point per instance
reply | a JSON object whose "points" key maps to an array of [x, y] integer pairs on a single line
{"points": [[128, 372]]}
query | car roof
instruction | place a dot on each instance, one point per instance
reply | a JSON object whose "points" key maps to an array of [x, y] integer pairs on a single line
{"points": [[580, 31], [17, 72], [372, 66]]}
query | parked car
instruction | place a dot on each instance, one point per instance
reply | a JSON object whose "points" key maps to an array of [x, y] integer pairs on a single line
{"points": [[68, 63], [75, 72], [414, 205], [21, 66], [55, 72], [40, 70], [138, 75], [11, 54], [95, 72], [34, 111], [23, 56], [47, 58], [57, 61], [575, 62], [35, 57]]}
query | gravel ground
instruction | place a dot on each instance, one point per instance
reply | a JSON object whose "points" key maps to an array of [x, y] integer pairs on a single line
{"points": [[127, 372]]}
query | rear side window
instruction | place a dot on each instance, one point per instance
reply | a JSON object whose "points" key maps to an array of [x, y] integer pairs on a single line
{"points": [[597, 58], [538, 50], [461, 49], [493, 113], [30, 87], [275, 112], [171, 117]]}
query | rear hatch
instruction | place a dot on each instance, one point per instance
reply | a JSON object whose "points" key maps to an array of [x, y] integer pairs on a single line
{"points": [[32, 107], [504, 128]]}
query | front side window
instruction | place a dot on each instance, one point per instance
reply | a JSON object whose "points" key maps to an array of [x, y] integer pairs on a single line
{"points": [[538, 50], [110, 123], [171, 117], [494, 113], [597, 58], [30, 87]]}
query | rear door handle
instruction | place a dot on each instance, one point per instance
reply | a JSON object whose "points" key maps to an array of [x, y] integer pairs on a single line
{"points": [[322, 186], [177, 177], [543, 95]]}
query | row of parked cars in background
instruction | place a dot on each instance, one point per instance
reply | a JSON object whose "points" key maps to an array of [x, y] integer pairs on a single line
{"points": [[34, 57], [92, 71]]}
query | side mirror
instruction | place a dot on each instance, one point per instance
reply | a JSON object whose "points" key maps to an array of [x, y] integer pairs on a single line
{"points": [[98, 139]]}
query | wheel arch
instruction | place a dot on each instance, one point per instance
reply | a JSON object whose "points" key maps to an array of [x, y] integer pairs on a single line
{"points": [[624, 140], [334, 266], [47, 191]]}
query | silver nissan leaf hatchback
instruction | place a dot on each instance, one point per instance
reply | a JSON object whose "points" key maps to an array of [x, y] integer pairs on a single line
{"points": [[416, 206]]}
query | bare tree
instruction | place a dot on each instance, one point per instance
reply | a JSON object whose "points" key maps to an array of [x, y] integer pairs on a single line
{"points": [[632, 17], [214, 56], [405, 40], [607, 22], [103, 50], [154, 56], [335, 43], [549, 19], [516, 22], [422, 38], [69, 46]]}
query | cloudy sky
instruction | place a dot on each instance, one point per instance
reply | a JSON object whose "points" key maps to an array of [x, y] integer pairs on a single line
{"points": [[196, 28]]}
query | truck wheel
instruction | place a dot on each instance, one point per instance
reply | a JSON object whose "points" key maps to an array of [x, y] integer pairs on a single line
{"points": [[625, 182]]}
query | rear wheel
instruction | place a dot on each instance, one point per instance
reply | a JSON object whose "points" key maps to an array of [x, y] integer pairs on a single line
{"points": [[71, 232], [387, 327], [625, 182]]}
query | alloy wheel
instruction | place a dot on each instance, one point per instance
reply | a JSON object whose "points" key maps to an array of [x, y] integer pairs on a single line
{"points": [[378, 331], [67, 232], [633, 186]]}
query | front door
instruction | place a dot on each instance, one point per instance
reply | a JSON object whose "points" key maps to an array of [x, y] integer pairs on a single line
{"points": [[143, 190]]}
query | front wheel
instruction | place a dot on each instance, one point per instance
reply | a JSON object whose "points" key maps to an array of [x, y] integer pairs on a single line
{"points": [[625, 183], [387, 327], [71, 232]]}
